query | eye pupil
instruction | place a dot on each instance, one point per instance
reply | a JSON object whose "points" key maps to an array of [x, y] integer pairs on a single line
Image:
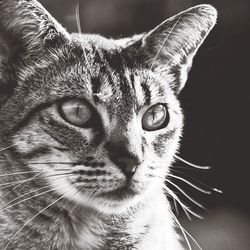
{"points": [[76, 112], [155, 118]]}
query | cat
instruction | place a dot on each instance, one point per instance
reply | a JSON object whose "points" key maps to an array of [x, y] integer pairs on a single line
{"points": [[89, 128]]}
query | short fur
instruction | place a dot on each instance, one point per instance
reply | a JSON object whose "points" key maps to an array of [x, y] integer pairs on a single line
{"points": [[75, 195]]}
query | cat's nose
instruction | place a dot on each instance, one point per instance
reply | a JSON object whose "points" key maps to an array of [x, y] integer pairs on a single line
{"points": [[125, 158], [128, 165]]}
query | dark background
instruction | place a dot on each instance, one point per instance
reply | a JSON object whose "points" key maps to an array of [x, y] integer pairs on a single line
{"points": [[215, 101]]}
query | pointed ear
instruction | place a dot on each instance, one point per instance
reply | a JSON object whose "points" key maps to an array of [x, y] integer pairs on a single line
{"points": [[26, 29], [171, 46], [28, 24]]}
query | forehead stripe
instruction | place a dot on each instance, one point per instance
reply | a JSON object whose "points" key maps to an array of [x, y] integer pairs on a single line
{"points": [[147, 93], [132, 80], [96, 85]]}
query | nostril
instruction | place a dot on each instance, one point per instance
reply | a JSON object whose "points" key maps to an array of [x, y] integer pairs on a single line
{"points": [[128, 165], [126, 160]]}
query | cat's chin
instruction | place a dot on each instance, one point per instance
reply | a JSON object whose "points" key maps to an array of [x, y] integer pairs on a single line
{"points": [[123, 199], [117, 201], [112, 205], [114, 201], [109, 203], [120, 194]]}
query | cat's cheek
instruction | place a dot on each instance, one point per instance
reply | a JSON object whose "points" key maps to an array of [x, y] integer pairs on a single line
{"points": [[33, 139], [166, 143]]}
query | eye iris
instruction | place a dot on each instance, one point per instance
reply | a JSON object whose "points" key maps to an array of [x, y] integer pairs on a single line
{"points": [[76, 112], [155, 117]]}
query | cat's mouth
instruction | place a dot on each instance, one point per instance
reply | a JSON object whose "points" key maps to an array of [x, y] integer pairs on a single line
{"points": [[125, 192]]}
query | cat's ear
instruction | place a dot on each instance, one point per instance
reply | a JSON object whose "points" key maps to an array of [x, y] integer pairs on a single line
{"points": [[26, 29], [171, 46], [26, 26]]}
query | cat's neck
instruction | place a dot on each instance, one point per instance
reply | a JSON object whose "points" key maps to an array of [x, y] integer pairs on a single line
{"points": [[139, 228]]}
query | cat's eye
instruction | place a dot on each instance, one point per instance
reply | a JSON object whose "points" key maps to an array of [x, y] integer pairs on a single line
{"points": [[76, 112], [155, 118]]}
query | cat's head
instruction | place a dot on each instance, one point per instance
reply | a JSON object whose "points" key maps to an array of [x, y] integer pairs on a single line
{"points": [[99, 118]]}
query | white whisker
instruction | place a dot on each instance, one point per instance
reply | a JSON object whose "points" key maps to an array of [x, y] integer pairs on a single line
{"points": [[187, 214], [203, 184], [18, 173], [77, 14], [191, 164], [190, 184], [217, 190], [33, 191], [50, 162], [186, 195], [173, 195], [2, 149], [12, 183], [182, 230], [37, 176], [27, 222], [186, 232], [176, 207], [20, 185], [78, 23], [193, 239], [5, 187], [29, 198]]}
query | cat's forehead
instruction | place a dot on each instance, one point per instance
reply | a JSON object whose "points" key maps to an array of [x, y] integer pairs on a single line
{"points": [[124, 90], [115, 77], [100, 71]]}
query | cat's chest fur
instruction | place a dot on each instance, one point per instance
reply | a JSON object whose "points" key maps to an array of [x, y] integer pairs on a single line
{"points": [[149, 227]]}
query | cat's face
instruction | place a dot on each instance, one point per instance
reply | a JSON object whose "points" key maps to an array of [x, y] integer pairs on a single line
{"points": [[100, 118], [111, 124]]}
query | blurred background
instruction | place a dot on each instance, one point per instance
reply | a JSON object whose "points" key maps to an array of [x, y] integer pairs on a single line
{"points": [[215, 101]]}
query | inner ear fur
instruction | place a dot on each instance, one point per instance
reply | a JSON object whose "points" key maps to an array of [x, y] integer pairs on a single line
{"points": [[171, 46]]}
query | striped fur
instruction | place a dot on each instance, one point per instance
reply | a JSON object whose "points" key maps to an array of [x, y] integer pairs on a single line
{"points": [[120, 80]]}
